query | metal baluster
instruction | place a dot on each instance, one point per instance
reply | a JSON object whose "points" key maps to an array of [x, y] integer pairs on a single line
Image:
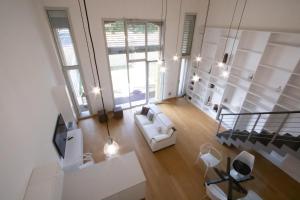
{"points": [[254, 126], [235, 123], [280, 127], [220, 123]]}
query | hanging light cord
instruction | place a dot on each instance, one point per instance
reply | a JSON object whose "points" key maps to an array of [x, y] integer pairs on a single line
{"points": [[85, 36], [94, 56], [178, 24], [205, 24], [239, 25], [161, 32], [165, 28], [230, 26]]}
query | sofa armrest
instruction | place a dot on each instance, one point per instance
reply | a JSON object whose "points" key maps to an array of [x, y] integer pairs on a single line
{"points": [[160, 137]]}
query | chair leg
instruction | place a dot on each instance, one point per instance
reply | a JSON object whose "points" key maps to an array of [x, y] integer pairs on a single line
{"points": [[205, 172], [197, 159]]}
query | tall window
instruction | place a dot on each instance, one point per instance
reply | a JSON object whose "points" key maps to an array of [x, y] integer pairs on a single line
{"points": [[63, 38], [186, 48], [133, 50]]}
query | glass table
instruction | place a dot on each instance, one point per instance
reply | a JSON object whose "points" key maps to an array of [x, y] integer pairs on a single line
{"points": [[224, 179]]}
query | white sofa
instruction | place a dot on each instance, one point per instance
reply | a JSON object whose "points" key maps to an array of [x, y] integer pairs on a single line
{"points": [[160, 132]]}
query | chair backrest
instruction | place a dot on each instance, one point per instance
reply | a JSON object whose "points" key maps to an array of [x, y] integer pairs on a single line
{"points": [[209, 148], [214, 192], [246, 158]]}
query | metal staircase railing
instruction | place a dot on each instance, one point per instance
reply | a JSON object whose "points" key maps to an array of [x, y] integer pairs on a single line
{"points": [[277, 128]]}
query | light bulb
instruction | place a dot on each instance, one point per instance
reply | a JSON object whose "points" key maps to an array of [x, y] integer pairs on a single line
{"points": [[175, 58], [163, 69], [220, 64], [225, 74], [195, 78], [111, 148], [96, 90], [198, 58]]}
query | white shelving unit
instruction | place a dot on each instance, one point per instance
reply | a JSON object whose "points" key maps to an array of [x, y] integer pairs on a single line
{"points": [[263, 67]]}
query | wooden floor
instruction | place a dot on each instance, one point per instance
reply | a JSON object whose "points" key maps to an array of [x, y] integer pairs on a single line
{"points": [[172, 173]]}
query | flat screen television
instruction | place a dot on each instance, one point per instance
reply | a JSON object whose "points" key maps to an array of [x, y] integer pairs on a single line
{"points": [[60, 136]]}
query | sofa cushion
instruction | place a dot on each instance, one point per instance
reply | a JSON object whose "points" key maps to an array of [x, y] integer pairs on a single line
{"points": [[145, 110], [150, 131], [150, 115], [154, 108], [142, 120], [165, 120]]}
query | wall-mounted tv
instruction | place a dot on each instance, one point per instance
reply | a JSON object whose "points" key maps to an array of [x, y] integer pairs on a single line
{"points": [[60, 136]]}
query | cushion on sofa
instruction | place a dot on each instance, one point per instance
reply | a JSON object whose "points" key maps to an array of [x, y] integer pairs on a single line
{"points": [[165, 120], [142, 120], [150, 131], [145, 110], [150, 115], [154, 108]]}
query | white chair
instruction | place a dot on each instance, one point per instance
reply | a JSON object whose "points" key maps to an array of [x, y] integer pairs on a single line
{"points": [[246, 158], [214, 192], [87, 160], [209, 155], [251, 196]]}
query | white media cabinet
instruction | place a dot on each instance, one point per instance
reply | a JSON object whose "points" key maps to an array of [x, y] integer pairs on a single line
{"points": [[74, 151]]}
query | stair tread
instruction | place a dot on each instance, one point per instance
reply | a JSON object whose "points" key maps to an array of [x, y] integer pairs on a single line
{"points": [[280, 140], [262, 138]]}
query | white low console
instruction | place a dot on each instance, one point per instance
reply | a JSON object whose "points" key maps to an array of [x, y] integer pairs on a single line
{"points": [[119, 178], [74, 150]]}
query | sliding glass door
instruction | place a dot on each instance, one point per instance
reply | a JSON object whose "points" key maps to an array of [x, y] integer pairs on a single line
{"points": [[133, 50]]}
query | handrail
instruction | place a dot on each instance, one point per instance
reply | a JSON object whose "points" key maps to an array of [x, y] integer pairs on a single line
{"points": [[263, 113]]}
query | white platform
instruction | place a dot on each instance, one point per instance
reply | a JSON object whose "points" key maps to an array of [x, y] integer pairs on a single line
{"points": [[119, 178]]}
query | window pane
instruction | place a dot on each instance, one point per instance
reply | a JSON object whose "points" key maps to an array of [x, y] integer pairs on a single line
{"points": [[115, 37], [137, 77], [153, 55], [78, 90], [60, 25], [136, 41], [188, 32], [67, 48], [154, 82], [118, 67]]}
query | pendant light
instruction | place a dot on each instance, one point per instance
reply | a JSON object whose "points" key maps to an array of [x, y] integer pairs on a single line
{"points": [[176, 57], [237, 31], [225, 73], [199, 58], [111, 147], [225, 55]]}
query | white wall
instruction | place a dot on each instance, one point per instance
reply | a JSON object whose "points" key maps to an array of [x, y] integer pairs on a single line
{"points": [[275, 15], [27, 113], [116, 9]]}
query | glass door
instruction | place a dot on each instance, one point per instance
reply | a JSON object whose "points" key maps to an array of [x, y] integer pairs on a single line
{"points": [[137, 82], [136, 43], [133, 51]]}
